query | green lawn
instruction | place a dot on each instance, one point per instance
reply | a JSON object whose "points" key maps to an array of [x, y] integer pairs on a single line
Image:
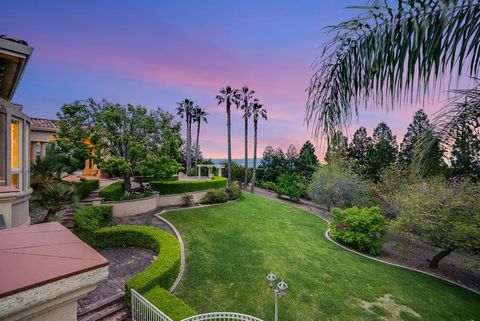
{"points": [[230, 249]]}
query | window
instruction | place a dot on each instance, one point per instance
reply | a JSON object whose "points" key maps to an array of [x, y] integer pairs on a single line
{"points": [[38, 150], [16, 153]]}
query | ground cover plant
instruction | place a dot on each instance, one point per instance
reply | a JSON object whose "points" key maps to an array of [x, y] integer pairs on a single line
{"points": [[231, 247]]}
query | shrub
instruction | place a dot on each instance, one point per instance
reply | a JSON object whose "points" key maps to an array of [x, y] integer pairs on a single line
{"points": [[90, 225], [335, 186], [89, 219], [113, 192], [233, 192], [214, 196], [362, 228], [85, 187], [271, 186], [180, 187], [171, 305], [54, 196], [188, 199], [290, 185]]}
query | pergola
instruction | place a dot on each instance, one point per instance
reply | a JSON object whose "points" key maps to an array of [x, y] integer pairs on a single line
{"points": [[210, 174]]}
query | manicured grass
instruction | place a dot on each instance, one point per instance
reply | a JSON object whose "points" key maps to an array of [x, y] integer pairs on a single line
{"points": [[230, 249]]}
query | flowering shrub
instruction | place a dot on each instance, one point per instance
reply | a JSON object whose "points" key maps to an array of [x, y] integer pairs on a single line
{"points": [[362, 228]]}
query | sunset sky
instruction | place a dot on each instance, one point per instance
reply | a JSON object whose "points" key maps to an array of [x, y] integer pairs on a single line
{"points": [[156, 53]]}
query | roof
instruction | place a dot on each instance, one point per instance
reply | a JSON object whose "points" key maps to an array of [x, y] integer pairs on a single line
{"points": [[44, 123], [34, 255], [22, 42]]}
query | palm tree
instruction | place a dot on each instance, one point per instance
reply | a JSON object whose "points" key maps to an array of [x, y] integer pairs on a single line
{"points": [[244, 100], [227, 96], [391, 53], [185, 110], [198, 116], [257, 112]]}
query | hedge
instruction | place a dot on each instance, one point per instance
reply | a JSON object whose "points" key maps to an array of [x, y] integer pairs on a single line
{"points": [[113, 192], [90, 225], [143, 179], [84, 188], [179, 187]]}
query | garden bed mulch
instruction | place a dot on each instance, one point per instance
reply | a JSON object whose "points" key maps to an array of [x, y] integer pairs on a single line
{"points": [[457, 267]]}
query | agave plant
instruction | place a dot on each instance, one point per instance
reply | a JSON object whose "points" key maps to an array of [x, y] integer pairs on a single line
{"points": [[54, 196]]}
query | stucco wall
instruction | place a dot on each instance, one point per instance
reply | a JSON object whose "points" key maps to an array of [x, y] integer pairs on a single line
{"points": [[144, 205], [20, 209]]}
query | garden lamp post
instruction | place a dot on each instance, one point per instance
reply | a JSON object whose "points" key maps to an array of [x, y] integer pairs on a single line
{"points": [[278, 290]]}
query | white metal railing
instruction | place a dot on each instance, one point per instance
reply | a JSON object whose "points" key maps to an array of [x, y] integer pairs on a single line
{"points": [[222, 316], [143, 310]]}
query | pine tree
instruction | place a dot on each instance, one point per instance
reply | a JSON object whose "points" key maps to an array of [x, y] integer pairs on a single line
{"points": [[358, 151], [415, 129], [465, 156], [337, 148], [383, 152], [307, 161], [291, 157]]}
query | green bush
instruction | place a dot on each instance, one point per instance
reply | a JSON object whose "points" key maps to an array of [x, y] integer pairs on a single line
{"points": [[113, 192], [361, 228], [89, 219], [85, 187], [90, 225], [180, 187], [233, 192], [145, 179], [214, 196], [291, 185], [171, 305], [271, 186]]}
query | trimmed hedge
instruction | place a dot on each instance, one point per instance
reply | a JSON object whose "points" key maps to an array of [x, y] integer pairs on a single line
{"points": [[145, 179], [180, 187], [113, 192], [84, 188], [90, 225]]}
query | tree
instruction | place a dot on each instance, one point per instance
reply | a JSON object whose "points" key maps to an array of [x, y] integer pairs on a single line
{"points": [[185, 110], [335, 186], [227, 96], [358, 150], [336, 148], [383, 152], [290, 184], [244, 100], [265, 169], [441, 214], [291, 158], [199, 115], [415, 129], [258, 111], [307, 161], [465, 155], [391, 52], [122, 136]]}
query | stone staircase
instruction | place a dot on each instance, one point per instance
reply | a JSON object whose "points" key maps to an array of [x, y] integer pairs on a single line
{"points": [[113, 309], [68, 218]]}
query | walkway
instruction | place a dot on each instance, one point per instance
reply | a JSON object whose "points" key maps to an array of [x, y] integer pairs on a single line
{"points": [[124, 264], [457, 267]]}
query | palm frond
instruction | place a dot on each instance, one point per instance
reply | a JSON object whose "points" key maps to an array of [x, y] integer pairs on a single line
{"points": [[391, 54]]}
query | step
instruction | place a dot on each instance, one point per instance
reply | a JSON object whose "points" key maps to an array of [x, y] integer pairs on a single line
{"points": [[115, 310]]}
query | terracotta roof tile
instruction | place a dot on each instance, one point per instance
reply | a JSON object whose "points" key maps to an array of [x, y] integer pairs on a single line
{"points": [[44, 123]]}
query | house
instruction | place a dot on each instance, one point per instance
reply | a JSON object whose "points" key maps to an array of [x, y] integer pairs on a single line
{"points": [[14, 137], [42, 131]]}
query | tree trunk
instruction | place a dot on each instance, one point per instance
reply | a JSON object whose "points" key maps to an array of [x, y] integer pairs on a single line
{"points": [[246, 153], [229, 129], [438, 257], [189, 146], [197, 148], [127, 184], [255, 127]]}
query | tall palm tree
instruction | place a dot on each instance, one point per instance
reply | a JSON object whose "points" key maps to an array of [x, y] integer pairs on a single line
{"points": [[391, 53], [185, 110], [257, 112], [244, 100], [227, 96], [199, 115]]}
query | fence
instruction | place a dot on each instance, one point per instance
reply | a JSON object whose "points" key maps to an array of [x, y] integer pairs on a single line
{"points": [[143, 310]]}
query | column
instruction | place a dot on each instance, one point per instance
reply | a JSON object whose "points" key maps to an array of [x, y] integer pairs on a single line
{"points": [[220, 171], [199, 171]]}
